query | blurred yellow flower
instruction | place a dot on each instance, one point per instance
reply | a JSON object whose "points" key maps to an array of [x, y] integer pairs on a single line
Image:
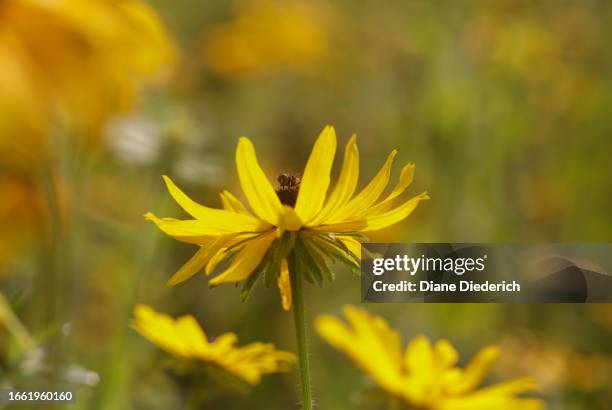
{"points": [[425, 375], [518, 41], [555, 365], [267, 35], [22, 214], [72, 63], [296, 225], [184, 339]]}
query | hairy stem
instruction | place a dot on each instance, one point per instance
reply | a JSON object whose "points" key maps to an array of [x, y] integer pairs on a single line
{"points": [[300, 333]]}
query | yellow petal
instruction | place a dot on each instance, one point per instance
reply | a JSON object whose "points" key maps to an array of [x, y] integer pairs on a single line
{"points": [[368, 341], [191, 231], [199, 260], [209, 227], [419, 356], [284, 285], [231, 203], [376, 329], [352, 244], [394, 216], [220, 249], [512, 387], [368, 195], [502, 396], [255, 184], [246, 259], [288, 221], [224, 341], [316, 176], [347, 182], [216, 259], [333, 331], [191, 267], [405, 179], [376, 222], [191, 333], [477, 370], [160, 329], [214, 217], [445, 353]]}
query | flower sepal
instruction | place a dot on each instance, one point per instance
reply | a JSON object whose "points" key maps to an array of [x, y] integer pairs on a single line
{"points": [[331, 249]]}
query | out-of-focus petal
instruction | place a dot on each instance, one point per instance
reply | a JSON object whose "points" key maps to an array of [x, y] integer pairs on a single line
{"points": [[368, 341], [502, 396], [478, 368], [446, 355], [184, 338]]}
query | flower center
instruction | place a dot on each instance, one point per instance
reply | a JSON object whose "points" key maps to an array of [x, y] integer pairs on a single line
{"points": [[289, 186]]}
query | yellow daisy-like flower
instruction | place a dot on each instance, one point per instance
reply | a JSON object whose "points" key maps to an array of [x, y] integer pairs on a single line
{"points": [[425, 376], [184, 339], [296, 227]]}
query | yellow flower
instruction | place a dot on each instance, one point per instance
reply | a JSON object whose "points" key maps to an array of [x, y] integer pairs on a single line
{"points": [[267, 35], [72, 62], [184, 339], [556, 365], [425, 376], [298, 222]]}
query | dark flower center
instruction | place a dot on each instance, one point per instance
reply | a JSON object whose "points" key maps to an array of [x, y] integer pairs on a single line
{"points": [[289, 186]]}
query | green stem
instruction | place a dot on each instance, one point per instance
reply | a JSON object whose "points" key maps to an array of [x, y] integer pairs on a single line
{"points": [[300, 333]]}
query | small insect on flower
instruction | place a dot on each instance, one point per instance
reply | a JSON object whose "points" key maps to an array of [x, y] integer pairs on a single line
{"points": [[425, 375], [298, 227], [288, 190], [185, 340]]}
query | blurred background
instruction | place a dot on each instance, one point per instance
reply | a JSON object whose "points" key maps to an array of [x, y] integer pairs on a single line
{"points": [[503, 105]]}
